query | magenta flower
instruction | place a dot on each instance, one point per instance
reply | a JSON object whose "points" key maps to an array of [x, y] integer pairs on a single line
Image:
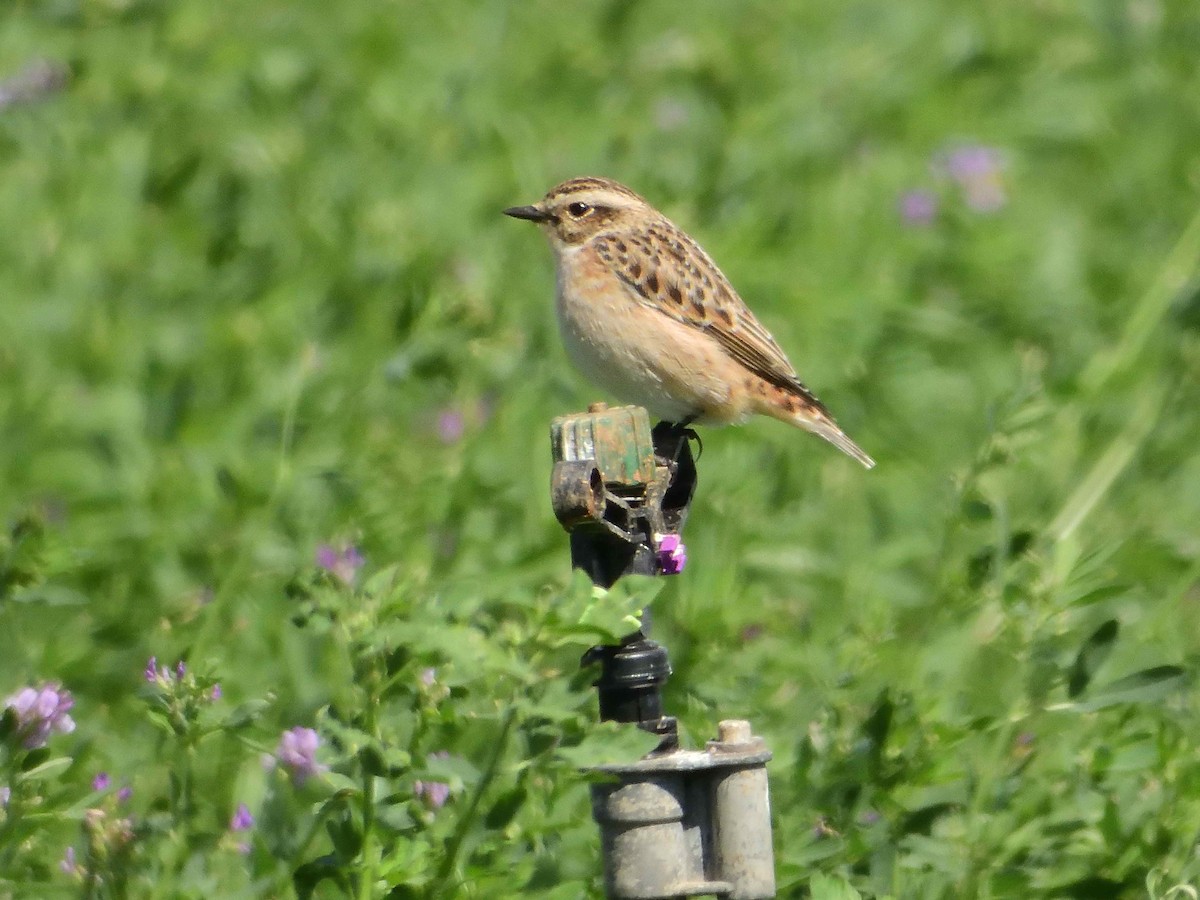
{"points": [[242, 819], [39, 79], [40, 712], [672, 554], [342, 564], [435, 793], [297, 752], [451, 426], [68, 865], [971, 161], [101, 782], [164, 674], [918, 207], [978, 170]]}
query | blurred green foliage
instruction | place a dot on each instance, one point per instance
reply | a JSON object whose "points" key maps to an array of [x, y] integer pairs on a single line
{"points": [[256, 296]]}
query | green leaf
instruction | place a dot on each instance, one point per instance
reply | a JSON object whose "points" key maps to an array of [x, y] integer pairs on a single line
{"points": [[344, 834], [34, 758], [339, 785], [1100, 594], [613, 613], [1091, 656], [1147, 686], [396, 816], [831, 887], [47, 769], [382, 582], [445, 768], [245, 713], [505, 807], [50, 595], [608, 743]]}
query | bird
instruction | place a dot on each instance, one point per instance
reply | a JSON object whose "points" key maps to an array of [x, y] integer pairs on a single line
{"points": [[646, 315]]}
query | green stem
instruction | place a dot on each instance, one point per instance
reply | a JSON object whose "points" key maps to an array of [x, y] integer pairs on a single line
{"points": [[1181, 267], [287, 876], [370, 846], [1116, 457], [454, 845]]}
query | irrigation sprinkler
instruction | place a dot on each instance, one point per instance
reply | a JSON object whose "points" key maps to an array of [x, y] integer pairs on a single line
{"points": [[678, 822]]}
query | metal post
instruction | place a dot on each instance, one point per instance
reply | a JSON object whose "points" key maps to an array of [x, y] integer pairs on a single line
{"points": [[676, 823]]}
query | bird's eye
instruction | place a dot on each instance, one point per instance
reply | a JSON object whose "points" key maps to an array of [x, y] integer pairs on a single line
{"points": [[579, 210]]}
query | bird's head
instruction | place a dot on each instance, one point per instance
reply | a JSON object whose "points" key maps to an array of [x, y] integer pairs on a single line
{"points": [[577, 210]]}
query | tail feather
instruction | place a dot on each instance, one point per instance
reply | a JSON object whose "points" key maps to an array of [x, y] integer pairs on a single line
{"points": [[810, 414], [827, 429]]}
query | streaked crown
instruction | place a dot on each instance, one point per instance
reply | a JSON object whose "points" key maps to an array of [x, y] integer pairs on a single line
{"points": [[582, 207]]}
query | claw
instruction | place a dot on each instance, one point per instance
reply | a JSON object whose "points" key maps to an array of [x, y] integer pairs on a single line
{"points": [[683, 430]]}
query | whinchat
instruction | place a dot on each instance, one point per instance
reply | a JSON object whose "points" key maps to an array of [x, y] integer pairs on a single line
{"points": [[646, 314]]}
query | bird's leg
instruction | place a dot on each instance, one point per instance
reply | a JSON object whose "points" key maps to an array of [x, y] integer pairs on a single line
{"points": [[680, 431], [690, 433]]}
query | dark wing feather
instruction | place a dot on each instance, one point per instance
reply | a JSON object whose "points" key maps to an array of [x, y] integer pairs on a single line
{"points": [[669, 272]]}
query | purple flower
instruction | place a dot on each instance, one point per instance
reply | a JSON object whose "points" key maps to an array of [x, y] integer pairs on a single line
{"points": [[918, 207], [979, 171], [156, 674], [68, 865], [242, 819], [215, 693], [342, 564], [297, 752], [124, 794], [39, 79], [672, 554], [451, 426], [101, 782], [429, 676], [41, 711], [972, 161], [5, 796], [435, 793], [165, 675]]}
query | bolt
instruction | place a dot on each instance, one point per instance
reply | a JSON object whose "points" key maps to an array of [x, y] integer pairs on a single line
{"points": [[598, 406], [734, 731]]}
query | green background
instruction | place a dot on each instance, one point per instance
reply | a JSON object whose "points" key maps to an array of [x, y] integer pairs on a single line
{"points": [[251, 255]]}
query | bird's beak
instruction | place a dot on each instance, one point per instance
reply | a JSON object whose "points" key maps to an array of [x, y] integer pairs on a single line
{"points": [[532, 213]]}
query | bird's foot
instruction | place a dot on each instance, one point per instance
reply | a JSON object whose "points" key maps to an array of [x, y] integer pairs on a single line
{"points": [[683, 431]]}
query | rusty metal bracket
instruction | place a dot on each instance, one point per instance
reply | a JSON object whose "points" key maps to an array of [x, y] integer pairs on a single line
{"points": [[618, 487]]}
